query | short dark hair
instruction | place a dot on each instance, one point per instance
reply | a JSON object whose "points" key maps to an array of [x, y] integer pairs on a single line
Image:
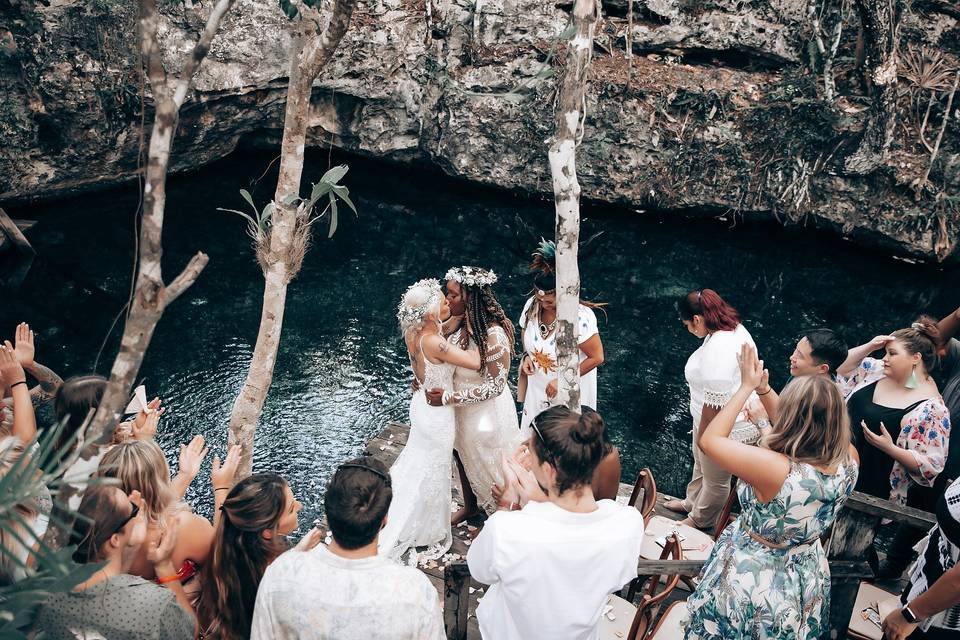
{"points": [[357, 500], [826, 347]]}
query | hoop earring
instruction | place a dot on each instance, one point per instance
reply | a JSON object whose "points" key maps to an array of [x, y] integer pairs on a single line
{"points": [[912, 382]]}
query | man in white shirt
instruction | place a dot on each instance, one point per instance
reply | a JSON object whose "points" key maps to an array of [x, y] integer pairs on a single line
{"points": [[346, 591]]}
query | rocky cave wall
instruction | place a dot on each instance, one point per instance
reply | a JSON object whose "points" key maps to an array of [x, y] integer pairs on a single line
{"points": [[724, 112]]}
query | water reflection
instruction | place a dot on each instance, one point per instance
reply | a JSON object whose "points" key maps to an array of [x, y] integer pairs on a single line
{"points": [[341, 373]]}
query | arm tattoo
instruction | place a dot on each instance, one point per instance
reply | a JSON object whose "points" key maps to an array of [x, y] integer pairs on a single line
{"points": [[444, 346], [49, 383]]}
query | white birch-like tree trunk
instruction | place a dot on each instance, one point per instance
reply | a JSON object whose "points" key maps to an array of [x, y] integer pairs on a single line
{"points": [[151, 296], [284, 253], [569, 117]]}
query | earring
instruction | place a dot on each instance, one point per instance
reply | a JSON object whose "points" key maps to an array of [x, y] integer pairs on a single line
{"points": [[912, 382]]}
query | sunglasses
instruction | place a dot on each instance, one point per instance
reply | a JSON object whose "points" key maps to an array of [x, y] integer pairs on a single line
{"points": [[134, 512], [533, 423]]}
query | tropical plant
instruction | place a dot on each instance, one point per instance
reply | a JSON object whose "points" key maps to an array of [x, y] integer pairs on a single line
{"points": [[259, 224], [27, 479]]}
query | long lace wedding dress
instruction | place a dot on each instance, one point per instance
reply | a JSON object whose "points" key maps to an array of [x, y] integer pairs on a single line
{"points": [[487, 424], [419, 515]]}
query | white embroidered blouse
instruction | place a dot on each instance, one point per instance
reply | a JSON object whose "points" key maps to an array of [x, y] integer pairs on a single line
{"points": [[712, 371], [496, 369]]}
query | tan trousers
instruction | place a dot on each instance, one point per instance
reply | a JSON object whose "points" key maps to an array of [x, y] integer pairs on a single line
{"points": [[707, 490]]}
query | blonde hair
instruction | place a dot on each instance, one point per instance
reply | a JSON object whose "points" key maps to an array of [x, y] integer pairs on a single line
{"points": [[812, 424], [14, 534], [140, 465]]}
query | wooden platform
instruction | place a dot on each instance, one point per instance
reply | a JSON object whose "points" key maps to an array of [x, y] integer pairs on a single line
{"points": [[386, 446]]}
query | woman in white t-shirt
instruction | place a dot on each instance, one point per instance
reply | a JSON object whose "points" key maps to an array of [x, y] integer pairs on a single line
{"points": [[538, 324], [713, 375], [552, 564]]}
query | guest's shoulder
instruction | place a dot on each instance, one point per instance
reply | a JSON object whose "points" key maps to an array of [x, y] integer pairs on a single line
{"points": [[626, 515], [409, 582]]}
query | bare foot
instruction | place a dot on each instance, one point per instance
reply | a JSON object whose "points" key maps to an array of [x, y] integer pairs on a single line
{"points": [[675, 505], [461, 514]]}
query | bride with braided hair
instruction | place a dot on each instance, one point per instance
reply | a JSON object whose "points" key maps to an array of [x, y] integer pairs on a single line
{"points": [[419, 514], [486, 414]]}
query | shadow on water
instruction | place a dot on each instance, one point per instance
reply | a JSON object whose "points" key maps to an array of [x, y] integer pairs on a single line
{"points": [[341, 373]]}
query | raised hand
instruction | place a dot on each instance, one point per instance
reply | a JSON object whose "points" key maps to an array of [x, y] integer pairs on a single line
{"points": [[191, 456], [527, 485], [309, 541], [152, 407], [25, 349], [222, 475], [147, 430], [879, 342], [751, 368], [11, 371], [160, 549]]}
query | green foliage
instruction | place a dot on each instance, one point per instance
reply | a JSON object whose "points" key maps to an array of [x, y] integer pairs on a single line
{"points": [[53, 571], [258, 224]]}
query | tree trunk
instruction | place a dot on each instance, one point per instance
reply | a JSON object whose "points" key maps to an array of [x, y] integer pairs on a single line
{"points": [[151, 296], [284, 254], [569, 117], [881, 32]]}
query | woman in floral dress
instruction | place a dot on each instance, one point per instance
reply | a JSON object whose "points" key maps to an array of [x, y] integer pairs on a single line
{"points": [[767, 576]]}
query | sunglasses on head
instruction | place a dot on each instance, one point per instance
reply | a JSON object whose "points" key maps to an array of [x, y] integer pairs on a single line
{"points": [[134, 511], [533, 423]]}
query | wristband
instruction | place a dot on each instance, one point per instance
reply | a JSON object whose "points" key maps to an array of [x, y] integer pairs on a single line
{"points": [[215, 489], [174, 578], [909, 615], [18, 383], [769, 389]]}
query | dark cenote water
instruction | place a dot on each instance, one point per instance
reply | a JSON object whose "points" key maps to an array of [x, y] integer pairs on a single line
{"points": [[342, 374]]}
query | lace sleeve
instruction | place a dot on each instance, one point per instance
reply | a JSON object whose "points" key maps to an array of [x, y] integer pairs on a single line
{"points": [[496, 370]]}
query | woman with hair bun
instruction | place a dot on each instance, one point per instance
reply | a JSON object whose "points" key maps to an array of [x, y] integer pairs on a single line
{"points": [[552, 564], [896, 395], [767, 576], [713, 375]]}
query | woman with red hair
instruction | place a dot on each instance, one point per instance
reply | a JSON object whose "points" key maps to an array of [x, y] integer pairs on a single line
{"points": [[713, 375]]}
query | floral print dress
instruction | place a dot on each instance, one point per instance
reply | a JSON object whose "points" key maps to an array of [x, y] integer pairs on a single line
{"points": [[749, 590], [924, 432]]}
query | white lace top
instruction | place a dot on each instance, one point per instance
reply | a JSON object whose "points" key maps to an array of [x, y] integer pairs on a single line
{"points": [[474, 388], [712, 371]]}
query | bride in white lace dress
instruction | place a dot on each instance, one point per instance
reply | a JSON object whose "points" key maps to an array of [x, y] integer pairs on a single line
{"points": [[487, 425], [419, 514]]}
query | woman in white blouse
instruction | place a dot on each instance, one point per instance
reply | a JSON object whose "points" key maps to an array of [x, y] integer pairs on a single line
{"points": [[713, 375], [552, 564]]}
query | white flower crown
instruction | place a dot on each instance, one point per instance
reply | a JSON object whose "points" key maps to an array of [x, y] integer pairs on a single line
{"points": [[471, 276], [409, 316]]}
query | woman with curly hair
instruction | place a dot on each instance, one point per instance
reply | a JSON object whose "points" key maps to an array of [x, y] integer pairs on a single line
{"points": [[486, 415]]}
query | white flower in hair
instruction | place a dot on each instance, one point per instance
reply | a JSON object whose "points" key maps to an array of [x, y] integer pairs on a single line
{"points": [[412, 315], [471, 276]]}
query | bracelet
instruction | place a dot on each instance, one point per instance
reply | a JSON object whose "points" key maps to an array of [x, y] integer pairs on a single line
{"points": [[18, 383], [769, 389], [174, 578], [215, 489]]}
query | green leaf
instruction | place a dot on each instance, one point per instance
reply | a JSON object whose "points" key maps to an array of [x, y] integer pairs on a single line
{"points": [[333, 216], [319, 190], [246, 196], [249, 218], [545, 72], [568, 33], [335, 174], [344, 194]]}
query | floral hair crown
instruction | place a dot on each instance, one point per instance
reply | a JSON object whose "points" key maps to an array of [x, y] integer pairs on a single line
{"points": [[471, 276], [407, 315]]}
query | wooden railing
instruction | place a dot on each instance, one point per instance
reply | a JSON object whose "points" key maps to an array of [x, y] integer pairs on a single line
{"points": [[852, 535]]}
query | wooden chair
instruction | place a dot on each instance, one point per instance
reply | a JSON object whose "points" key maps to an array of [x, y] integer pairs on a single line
{"points": [[632, 622], [867, 597], [646, 484], [697, 544], [668, 626]]}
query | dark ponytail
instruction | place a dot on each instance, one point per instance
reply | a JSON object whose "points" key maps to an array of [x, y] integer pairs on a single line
{"points": [[717, 314], [572, 442], [922, 337]]}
